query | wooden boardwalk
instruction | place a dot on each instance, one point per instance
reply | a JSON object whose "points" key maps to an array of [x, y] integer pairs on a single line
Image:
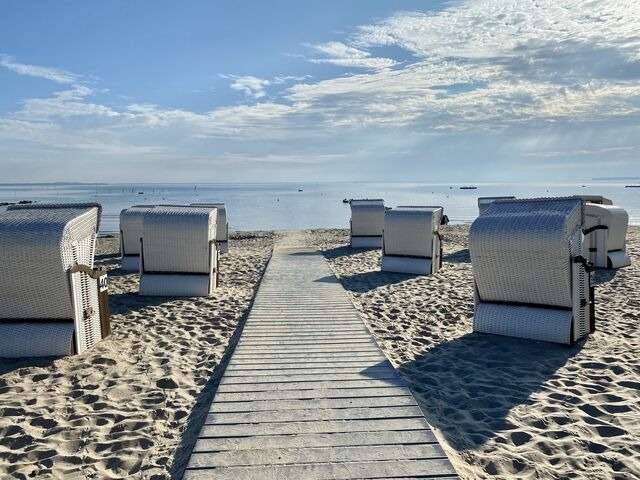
{"points": [[309, 395]]}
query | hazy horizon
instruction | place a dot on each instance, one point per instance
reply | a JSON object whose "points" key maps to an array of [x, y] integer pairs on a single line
{"points": [[286, 91]]}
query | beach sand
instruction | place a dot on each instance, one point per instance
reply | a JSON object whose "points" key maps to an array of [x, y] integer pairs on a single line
{"points": [[506, 408], [503, 408], [125, 408]]}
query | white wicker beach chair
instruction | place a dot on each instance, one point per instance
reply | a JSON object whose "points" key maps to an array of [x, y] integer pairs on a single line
{"points": [[52, 300], [484, 202], [599, 199], [411, 241], [531, 277], [222, 226], [367, 223], [605, 235], [179, 254], [130, 235]]}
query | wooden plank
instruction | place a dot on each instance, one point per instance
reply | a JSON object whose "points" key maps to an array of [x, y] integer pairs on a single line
{"points": [[284, 456], [370, 348], [310, 385], [337, 403], [329, 426], [377, 391], [390, 437], [234, 372], [303, 364], [380, 374], [424, 468], [323, 356], [314, 414]]}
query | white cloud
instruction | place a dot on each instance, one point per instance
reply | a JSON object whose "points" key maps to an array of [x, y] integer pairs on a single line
{"points": [[50, 73], [564, 75], [338, 53]]}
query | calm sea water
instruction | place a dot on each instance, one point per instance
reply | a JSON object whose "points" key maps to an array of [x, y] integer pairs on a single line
{"points": [[281, 206]]}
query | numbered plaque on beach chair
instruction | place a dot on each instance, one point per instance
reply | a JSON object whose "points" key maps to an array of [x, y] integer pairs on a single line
{"points": [[130, 235], [367, 223], [484, 202], [179, 253], [606, 235], [411, 240], [531, 275], [222, 225], [53, 302]]}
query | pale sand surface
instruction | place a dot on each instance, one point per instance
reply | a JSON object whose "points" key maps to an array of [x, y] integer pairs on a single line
{"points": [[506, 408], [125, 408]]}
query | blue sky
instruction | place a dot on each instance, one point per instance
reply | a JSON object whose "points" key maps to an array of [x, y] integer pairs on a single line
{"points": [[336, 90]]}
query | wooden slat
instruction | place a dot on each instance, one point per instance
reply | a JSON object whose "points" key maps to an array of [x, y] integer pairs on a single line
{"points": [[329, 426], [427, 468], [266, 442], [285, 405], [284, 456], [314, 414], [307, 377]]}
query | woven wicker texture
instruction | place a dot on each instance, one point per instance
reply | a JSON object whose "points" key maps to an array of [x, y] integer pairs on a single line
{"points": [[35, 339], [536, 323], [410, 231], [62, 206], [131, 229], [222, 227], [484, 202], [521, 251], [37, 248], [367, 217], [176, 239]]}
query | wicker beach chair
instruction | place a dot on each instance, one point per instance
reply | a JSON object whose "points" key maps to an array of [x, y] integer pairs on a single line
{"points": [[367, 223], [222, 225], [484, 202], [53, 301], [599, 199], [605, 235], [411, 240], [130, 235], [531, 277], [179, 253]]}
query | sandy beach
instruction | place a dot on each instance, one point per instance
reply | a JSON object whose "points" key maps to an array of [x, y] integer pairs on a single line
{"points": [[503, 408], [127, 408]]}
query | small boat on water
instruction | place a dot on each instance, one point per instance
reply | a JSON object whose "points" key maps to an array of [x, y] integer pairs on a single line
{"points": [[299, 189], [632, 186], [344, 200], [468, 187]]}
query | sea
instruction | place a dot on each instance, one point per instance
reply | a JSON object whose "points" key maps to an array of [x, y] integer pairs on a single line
{"points": [[289, 206]]}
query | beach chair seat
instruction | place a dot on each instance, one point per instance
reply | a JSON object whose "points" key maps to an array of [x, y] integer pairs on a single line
{"points": [[484, 202], [606, 234], [179, 253], [531, 277], [130, 235], [411, 240], [367, 223], [599, 199], [53, 302], [222, 225]]}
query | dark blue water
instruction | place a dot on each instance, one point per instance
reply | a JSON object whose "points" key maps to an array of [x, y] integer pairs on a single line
{"points": [[280, 206]]}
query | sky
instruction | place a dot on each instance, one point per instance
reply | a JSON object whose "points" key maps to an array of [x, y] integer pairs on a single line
{"points": [[337, 90]]}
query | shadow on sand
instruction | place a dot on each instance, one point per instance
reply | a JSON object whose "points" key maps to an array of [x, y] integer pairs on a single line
{"points": [[461, 256], [468, 386], [124, 303]]}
